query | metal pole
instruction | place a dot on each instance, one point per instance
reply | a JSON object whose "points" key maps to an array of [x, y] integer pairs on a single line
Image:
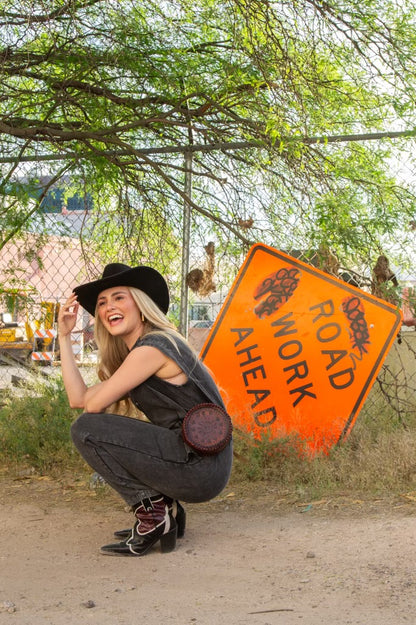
{"points": [[183, 316]]}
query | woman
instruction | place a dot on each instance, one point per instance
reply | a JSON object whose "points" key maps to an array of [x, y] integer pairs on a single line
{"points": [[143, 360]]}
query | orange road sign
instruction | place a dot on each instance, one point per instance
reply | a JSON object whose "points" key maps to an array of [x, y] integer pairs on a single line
{"points": [[296, 350]]}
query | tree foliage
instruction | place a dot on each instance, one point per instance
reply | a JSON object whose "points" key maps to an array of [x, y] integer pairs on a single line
{"points": [[272, 99]]}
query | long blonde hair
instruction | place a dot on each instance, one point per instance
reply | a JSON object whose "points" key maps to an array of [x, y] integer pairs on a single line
{"points": [[112, 350]]}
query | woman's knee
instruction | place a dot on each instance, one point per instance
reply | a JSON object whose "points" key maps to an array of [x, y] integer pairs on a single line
{"points": [[91, 425], [79, 428]]}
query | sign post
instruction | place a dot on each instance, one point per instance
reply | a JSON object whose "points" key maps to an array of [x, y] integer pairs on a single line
{"points": [[295, 350]]}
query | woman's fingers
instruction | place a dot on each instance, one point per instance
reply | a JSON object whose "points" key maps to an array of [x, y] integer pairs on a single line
{"points": [[71, 305], [68, 313]]}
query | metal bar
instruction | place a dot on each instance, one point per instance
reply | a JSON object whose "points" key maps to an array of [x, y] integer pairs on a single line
{"points": [[186, 236], [212, 147]]}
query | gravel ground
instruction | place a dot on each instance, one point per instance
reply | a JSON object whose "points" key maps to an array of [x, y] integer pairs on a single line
{"points": [[249, 557]]}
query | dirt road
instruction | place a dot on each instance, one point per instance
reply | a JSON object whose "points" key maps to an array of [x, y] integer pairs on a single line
{"points": [[254, 559]]}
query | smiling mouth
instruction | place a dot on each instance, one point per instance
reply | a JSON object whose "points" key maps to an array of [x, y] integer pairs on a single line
{"points": [[114, 318]]}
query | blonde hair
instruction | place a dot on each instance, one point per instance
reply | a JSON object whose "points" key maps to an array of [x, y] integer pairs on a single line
{"points": [[113, 350]]}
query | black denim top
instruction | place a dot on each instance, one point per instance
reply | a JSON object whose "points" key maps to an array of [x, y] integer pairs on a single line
{"points": [[166, 404]]}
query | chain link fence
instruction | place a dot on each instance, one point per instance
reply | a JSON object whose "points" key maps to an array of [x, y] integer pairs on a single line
{"points": [[38, 271]]}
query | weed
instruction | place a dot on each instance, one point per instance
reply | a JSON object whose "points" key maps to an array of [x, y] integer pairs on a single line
{"points": [[377, 458], [35, 425]]}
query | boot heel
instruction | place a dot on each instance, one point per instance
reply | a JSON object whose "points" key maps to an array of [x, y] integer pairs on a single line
{"points": [[180, 520], [168, 541]]}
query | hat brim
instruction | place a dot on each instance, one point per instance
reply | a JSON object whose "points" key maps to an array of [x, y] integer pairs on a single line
{"points": [[144, 278]]}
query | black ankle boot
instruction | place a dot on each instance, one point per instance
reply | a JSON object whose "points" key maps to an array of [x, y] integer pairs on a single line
{"points": [[154, 522], [178, 513]]}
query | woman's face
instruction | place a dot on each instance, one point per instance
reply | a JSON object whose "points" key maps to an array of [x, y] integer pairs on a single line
{"points": [[119, 314]]}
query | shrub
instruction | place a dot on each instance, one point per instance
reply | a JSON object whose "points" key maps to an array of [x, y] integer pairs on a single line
{"points": [[377, 458], [35, 425]]}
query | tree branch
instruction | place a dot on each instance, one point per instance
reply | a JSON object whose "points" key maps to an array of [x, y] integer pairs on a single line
{"points": [[66, 10]]}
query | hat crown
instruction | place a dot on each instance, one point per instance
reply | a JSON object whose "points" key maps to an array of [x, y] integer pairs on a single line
{"points": [[114, 268]]}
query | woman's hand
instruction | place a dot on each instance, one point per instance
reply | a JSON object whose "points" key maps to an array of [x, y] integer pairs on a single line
{"points": [[67, 316]]}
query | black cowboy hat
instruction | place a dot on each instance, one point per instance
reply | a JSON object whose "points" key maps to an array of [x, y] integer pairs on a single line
{"points": [[144, 278]]}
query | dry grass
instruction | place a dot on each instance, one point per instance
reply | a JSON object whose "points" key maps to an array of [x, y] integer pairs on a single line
{"points": [[378, 458]]}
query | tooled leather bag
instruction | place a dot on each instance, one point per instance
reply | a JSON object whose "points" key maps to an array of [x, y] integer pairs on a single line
{"points": [[207, 429]]}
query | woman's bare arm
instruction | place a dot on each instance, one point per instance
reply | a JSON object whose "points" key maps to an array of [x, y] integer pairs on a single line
{"points": [[140, 364], [74, 384]]}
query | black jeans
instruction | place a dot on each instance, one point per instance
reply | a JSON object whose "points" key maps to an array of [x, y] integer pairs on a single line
{"points": [[140, 459]]}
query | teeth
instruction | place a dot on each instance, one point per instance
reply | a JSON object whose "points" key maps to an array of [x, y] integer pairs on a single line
{"points": [[113, 317]]}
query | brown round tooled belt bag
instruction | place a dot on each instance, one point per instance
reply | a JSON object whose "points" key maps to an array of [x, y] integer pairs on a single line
{"points": [[207, 429]]}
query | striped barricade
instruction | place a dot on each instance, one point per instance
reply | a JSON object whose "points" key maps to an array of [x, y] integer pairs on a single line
{"points": [[45, 334], [47, 356]]}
